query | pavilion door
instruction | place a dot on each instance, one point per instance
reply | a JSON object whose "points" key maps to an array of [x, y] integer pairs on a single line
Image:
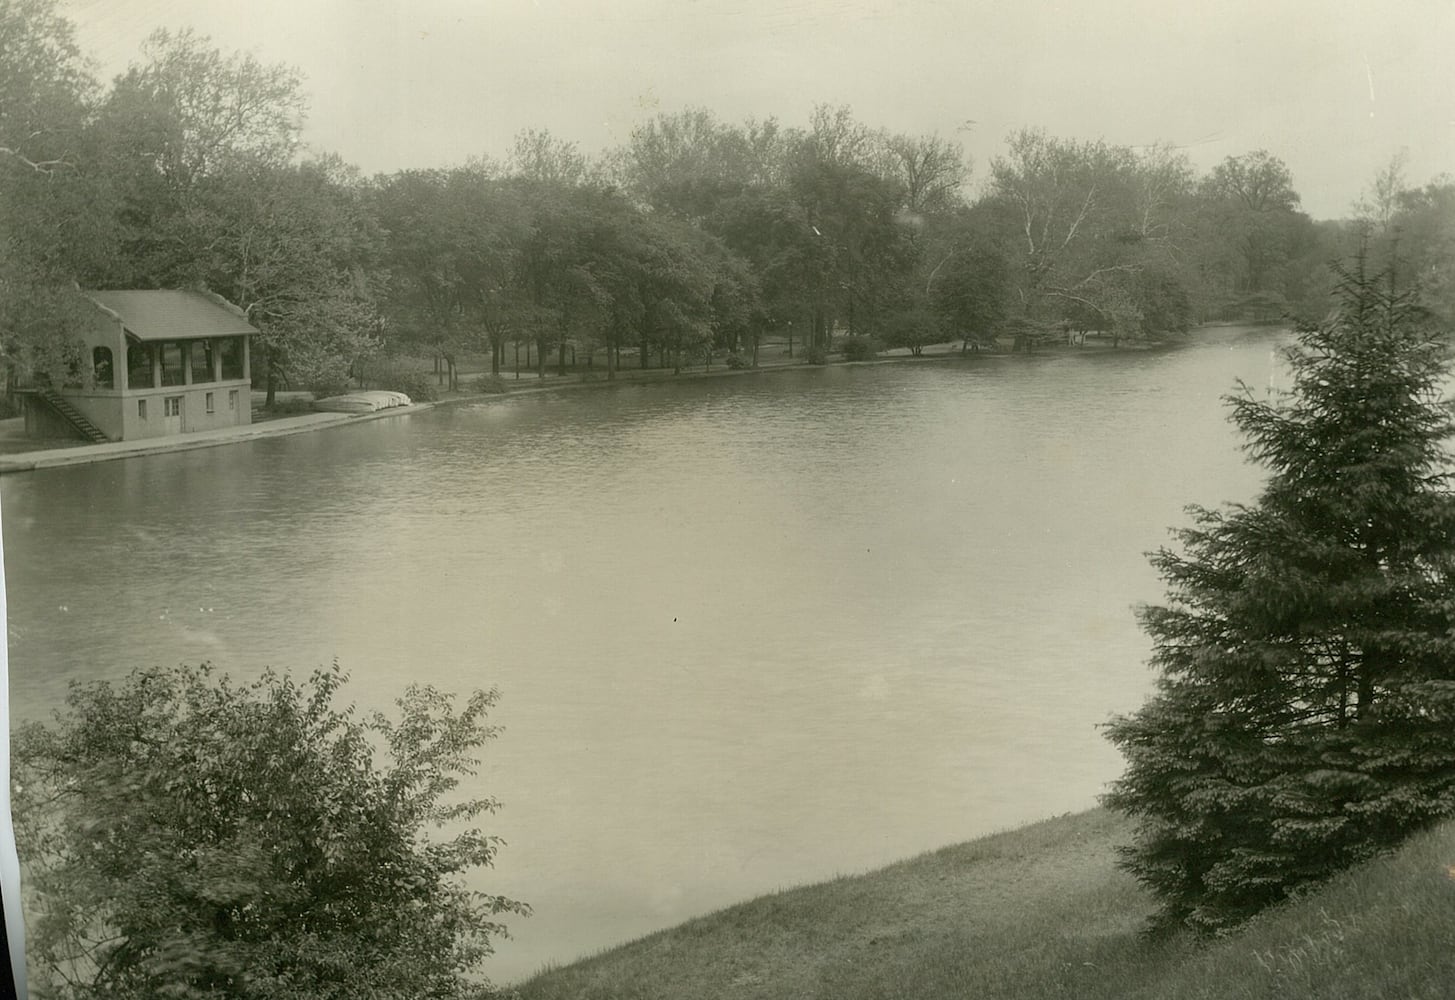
{"points": [[172, 414]]}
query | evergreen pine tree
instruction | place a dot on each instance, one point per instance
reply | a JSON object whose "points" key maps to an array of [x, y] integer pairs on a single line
{"points": [[1304, 717]]}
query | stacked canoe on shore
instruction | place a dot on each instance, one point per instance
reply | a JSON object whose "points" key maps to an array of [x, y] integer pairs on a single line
{"points": [[364, 401]]}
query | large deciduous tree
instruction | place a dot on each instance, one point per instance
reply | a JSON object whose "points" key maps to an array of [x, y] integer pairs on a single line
{"points": [[1251, 211], [687, 162], [931, 172], [297, 248], [453, 239], [43, 86], [1422, 230], [1089, 221], [855, 254], [539, 156], [965, 281], [1304, 717], [54, 218], [196, 110], [187, 837], [175, 124], [202, 148]]}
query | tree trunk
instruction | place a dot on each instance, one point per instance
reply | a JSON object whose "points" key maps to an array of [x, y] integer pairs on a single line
{"points": [[611, 362], [1366, 691]]}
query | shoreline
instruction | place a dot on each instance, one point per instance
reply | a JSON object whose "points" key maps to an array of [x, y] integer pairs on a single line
{"points": [[86, 454], [69, 455]]}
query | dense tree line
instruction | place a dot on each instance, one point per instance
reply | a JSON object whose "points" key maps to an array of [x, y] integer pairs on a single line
{"points": [[695, 236]]}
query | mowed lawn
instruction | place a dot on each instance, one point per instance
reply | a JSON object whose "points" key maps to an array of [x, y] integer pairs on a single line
{"points": [[1043, 912]]}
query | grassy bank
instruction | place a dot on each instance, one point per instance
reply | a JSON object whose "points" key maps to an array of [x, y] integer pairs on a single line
{"points": [[1042, 912]]}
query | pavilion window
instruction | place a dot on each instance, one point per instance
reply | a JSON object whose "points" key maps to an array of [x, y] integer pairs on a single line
{"points": [[202, 358], [101, 375], [73, 357], [138, 366], [232, 357], [174, 371]]}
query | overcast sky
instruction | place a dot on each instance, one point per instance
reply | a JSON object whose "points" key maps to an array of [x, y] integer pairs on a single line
{"points": [[1333, 87]]}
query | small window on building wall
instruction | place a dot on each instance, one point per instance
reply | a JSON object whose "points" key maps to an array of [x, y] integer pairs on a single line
{"points": [[172, 406], [101, 367], [141, 408], [209, 403], [138, 366]]}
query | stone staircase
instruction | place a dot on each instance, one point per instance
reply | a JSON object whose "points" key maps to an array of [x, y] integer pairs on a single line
{"points": [[73, 416]]}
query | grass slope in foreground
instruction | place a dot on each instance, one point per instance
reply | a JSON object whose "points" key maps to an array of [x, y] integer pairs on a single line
{"points": [[1043, 912]]}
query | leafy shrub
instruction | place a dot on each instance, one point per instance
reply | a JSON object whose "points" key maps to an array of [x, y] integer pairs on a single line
{"points": [[186, 836], [815, 356], [416, 384], [913, 329], [291, 404], [318, 371], [859, 348], [490, 384], [330, 384], [736, 361]]}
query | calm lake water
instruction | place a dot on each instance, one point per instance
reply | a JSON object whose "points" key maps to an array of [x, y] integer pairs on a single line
{"points": [[749, 632]]}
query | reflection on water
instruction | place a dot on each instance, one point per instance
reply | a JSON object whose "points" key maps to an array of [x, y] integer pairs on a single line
{"points": [[750, 632]]}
